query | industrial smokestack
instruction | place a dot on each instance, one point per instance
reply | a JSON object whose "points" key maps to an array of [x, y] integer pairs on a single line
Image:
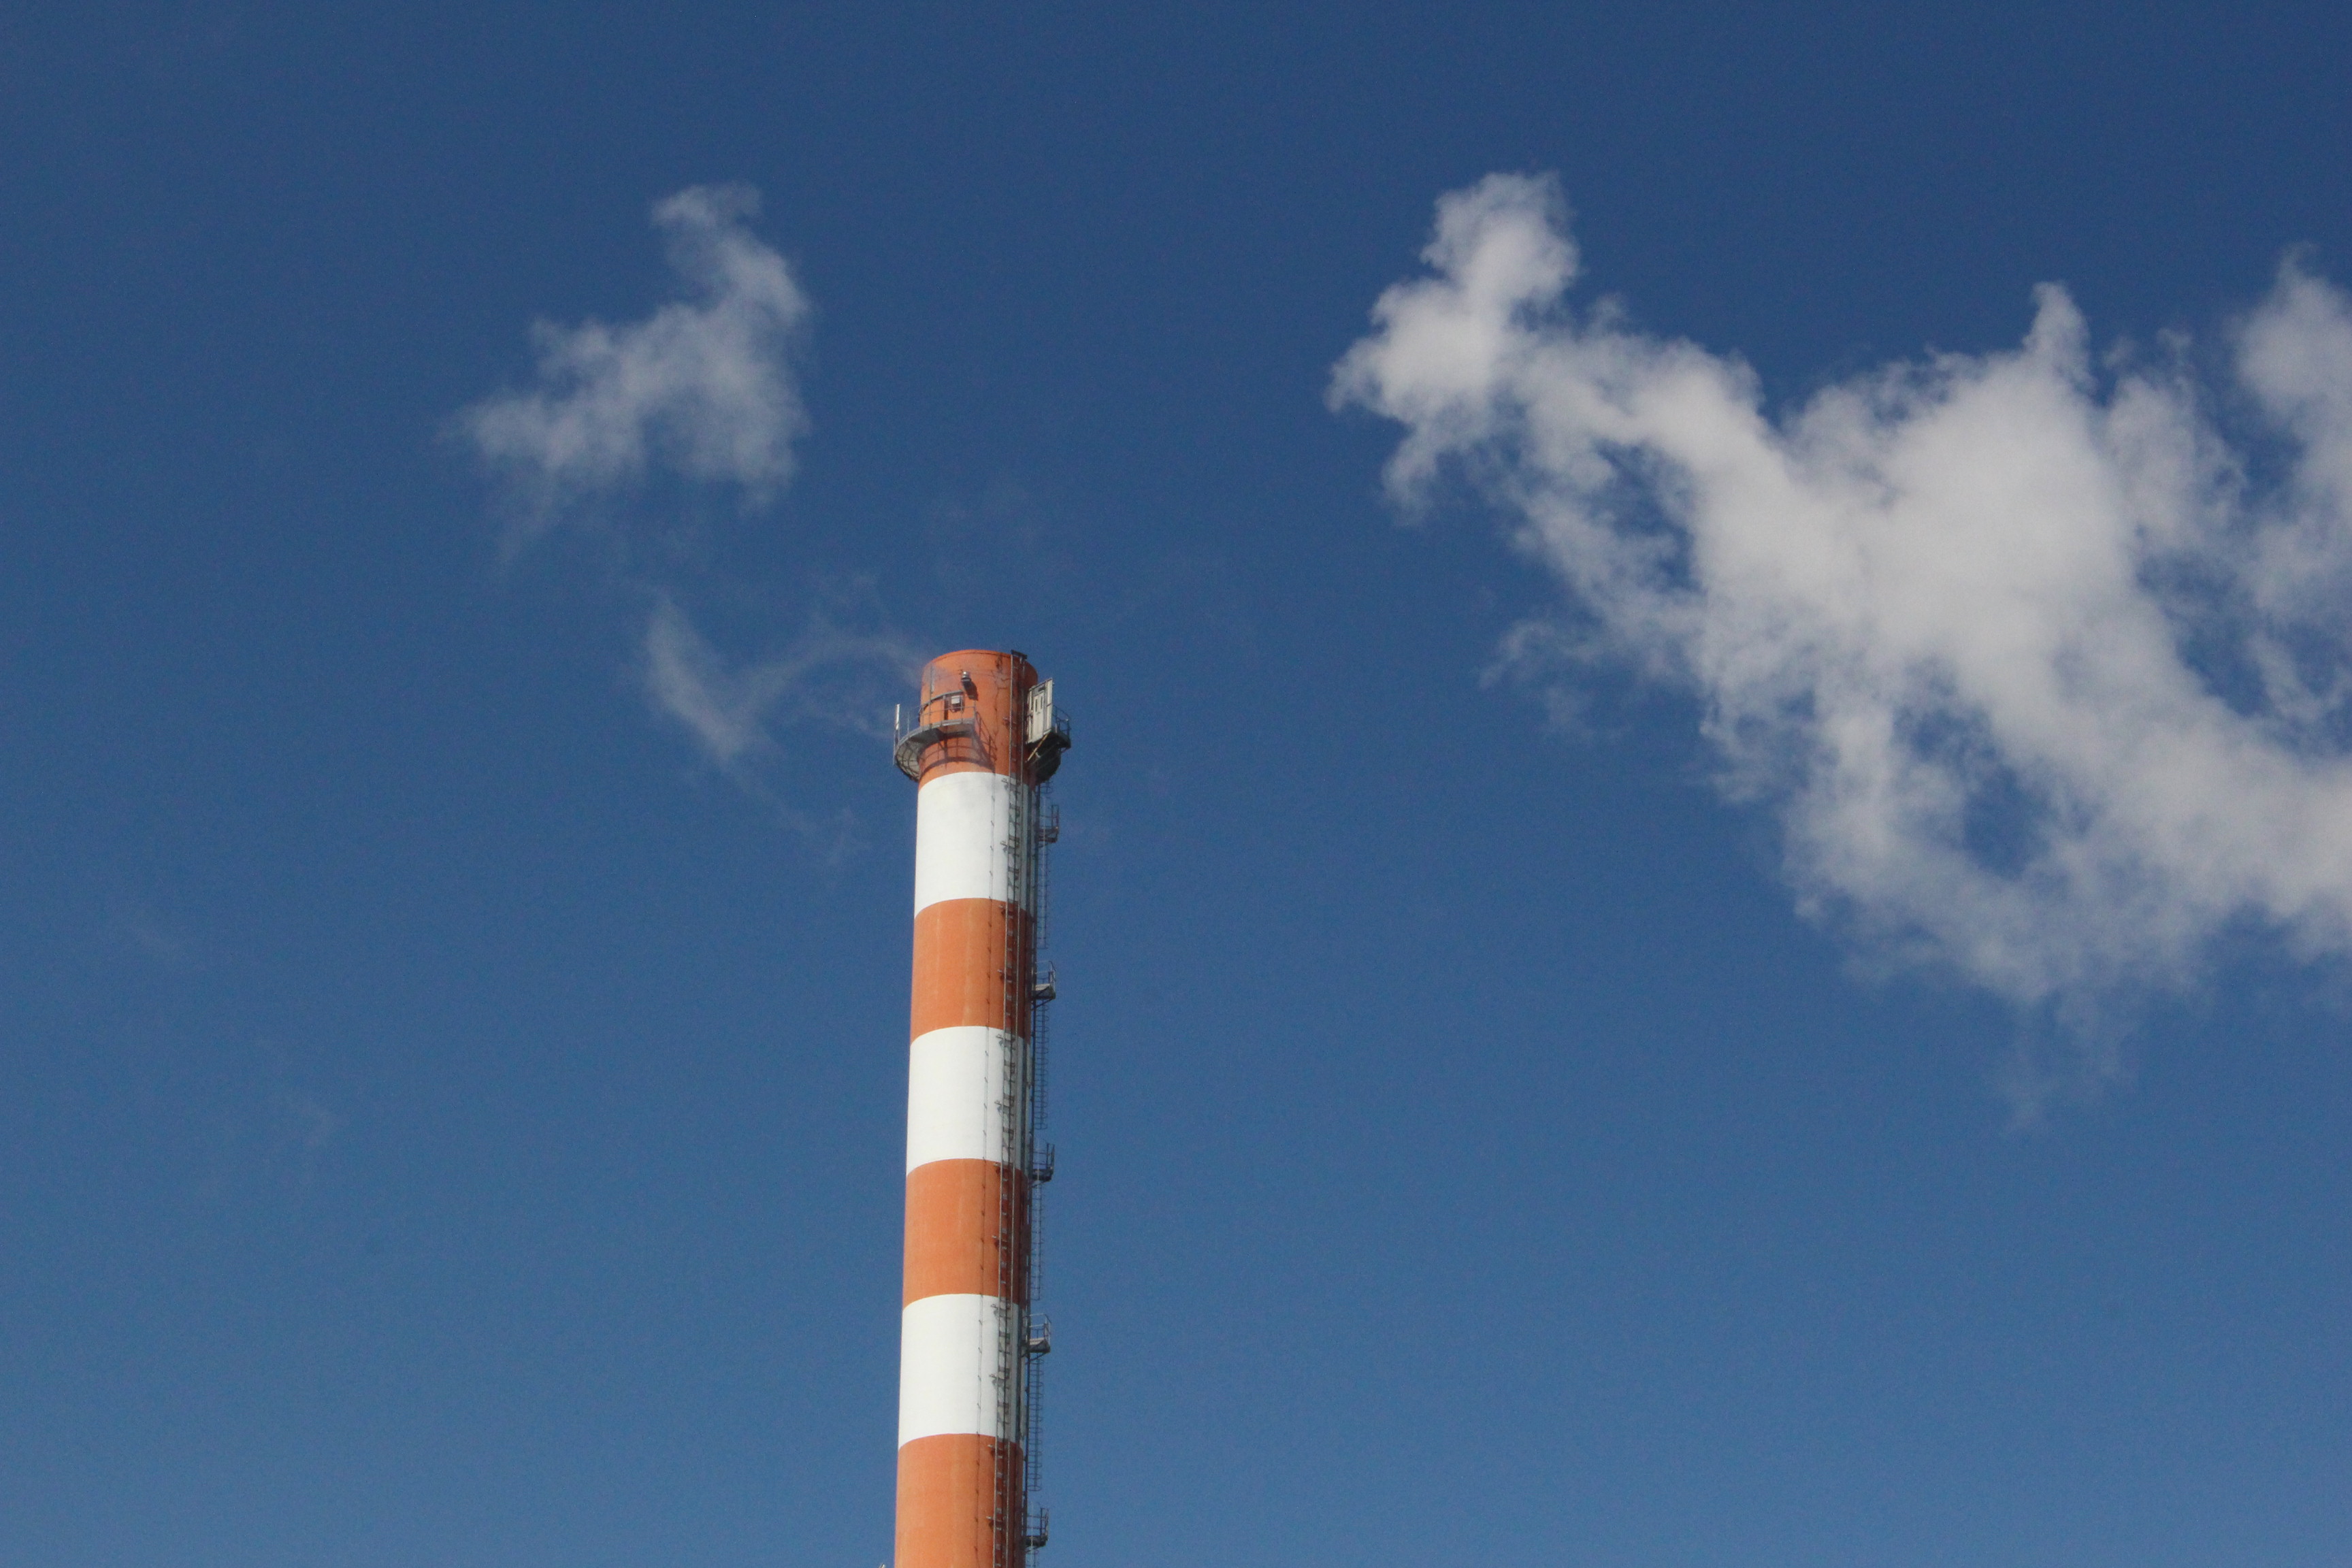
{"points": [[983, 738]]}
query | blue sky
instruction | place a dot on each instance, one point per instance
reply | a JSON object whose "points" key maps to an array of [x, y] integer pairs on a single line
{"points": [[1519, 1098]]}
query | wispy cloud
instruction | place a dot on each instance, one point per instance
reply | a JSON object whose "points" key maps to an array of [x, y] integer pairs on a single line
{"points": [[828, 676], [2043, 683], [166, 948], [704, 386], [303, 1120], [702, 389]]}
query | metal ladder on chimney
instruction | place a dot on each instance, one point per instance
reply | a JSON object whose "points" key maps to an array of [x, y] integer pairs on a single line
{"points": [[1037, 1335], [1008, 1511]]}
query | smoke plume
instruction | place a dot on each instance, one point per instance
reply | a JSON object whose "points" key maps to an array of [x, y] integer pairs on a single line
{"points": [[2042, 672]]}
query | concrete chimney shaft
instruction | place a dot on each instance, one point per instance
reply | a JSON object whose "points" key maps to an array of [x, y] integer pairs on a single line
{"points": [[974, 753]]}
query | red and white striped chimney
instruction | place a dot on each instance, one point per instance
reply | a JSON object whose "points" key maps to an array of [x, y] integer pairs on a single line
{"points": [[983, 738]]}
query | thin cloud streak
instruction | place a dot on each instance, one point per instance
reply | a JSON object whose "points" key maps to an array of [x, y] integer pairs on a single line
{"points": [[2042, 687], [828, 677]]}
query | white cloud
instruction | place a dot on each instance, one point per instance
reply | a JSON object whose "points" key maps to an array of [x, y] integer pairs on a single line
{"points": [[2043, 676], [703, 386], [703, 389], [829, 675]]}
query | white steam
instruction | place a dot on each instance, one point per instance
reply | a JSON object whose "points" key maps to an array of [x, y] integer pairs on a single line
{"points": [[2045, 677], [703, 386]]}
